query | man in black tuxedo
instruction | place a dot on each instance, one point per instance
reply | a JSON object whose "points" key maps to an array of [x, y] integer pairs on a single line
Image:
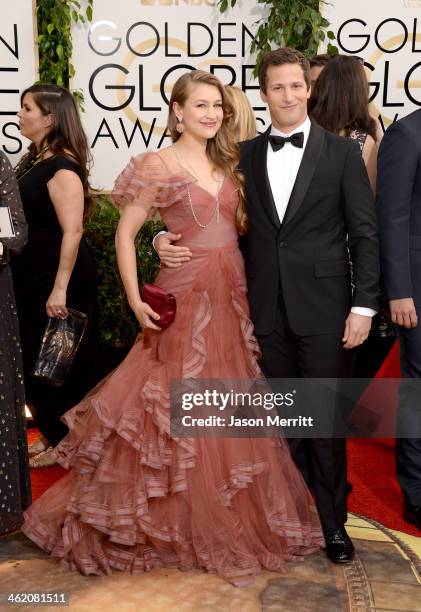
{"points": [[308, 197], [307, 191], [399, 214]]}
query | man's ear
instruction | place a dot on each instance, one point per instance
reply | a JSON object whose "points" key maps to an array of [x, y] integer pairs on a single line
{"points": [[309, 92]]}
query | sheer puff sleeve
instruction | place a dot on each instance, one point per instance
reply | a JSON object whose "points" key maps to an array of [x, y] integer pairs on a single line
{"points": [[149, 183]]}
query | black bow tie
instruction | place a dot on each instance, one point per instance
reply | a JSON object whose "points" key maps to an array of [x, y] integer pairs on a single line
{"points": [[277, 142]]}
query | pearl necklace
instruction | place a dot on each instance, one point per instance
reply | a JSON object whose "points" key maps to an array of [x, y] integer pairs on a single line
{"points": [[189, 198]]}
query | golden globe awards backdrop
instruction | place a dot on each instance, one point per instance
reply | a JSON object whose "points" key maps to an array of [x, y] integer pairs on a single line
{"points": [[127, 60], [387, 35], [18, 70]]}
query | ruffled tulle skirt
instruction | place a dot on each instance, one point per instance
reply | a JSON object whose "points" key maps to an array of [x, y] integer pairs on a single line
{"points": [[135, 498]]}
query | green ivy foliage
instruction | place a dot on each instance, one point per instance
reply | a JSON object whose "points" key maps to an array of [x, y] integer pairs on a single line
{"points": [[117, 326], [293, 23], [54, 20]]}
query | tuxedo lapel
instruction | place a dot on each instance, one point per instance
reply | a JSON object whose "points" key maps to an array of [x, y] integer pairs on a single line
{"points": [[261, 178], [306, 171]]}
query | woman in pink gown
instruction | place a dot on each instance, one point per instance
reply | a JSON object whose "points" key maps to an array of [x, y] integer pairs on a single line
{"points": [[136, 498]]}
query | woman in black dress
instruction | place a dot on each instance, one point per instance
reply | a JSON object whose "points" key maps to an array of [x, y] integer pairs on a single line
{"points": [[15, 488], [55, 270]]}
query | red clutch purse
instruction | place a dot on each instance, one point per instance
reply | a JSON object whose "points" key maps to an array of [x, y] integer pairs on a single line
{"points": [[161, 302]]}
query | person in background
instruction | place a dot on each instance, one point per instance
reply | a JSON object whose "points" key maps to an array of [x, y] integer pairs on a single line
{"points": [[243, 120], [399, 215], [55, 269], [317, 65], [339, 103], [15, 486]]}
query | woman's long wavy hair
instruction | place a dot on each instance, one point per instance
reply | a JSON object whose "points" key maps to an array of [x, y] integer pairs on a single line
{"points": [[222, 150], [66, 135], [339, 100]]}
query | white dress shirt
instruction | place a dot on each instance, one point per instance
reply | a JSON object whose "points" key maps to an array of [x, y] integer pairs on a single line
{"points": [[282, 167]]}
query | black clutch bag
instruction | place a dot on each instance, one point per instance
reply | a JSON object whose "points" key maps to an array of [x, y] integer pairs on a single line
{"points": [[59, 345]]}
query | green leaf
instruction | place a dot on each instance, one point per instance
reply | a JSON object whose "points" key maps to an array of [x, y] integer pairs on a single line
{"points": [[50, 28], [330, 35], [89, 13], [332, 49]]}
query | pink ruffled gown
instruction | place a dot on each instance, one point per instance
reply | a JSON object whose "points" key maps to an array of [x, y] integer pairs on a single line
{"points": [[135, 498]]}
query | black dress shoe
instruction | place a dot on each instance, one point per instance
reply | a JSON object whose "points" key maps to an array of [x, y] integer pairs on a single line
{"points": [[339, 547], [412, 514]]}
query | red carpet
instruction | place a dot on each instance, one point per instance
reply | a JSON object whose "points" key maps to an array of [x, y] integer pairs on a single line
{"points": [[42, 478], [375, 494]]}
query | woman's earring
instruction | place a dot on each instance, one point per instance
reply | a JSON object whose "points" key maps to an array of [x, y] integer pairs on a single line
{"points": [[179, 127]]}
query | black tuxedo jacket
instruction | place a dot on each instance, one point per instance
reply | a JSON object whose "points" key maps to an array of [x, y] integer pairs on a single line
{"points": [[329, 222], [399, 208]]}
